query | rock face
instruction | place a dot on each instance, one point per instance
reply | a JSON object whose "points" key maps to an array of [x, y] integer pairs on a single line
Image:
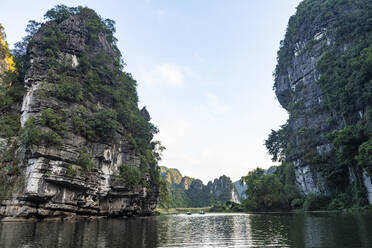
{"points": [[241, 190], [172, 176], [77, 173], [222, 189], [299, 83], [311, 33]]}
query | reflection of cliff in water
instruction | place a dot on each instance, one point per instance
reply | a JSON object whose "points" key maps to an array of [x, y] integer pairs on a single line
{"points": [[130, 233], [340, 230], [195, 229], [271, 229], [209, 230]]}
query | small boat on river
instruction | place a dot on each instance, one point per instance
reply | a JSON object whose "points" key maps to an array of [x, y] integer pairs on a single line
{"points": [[188, 213], [201, 212]]}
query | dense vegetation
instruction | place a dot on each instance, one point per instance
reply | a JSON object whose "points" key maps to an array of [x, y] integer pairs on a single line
{"points": [[11, 93], [346, 95], [11, 89], [267, 191]]}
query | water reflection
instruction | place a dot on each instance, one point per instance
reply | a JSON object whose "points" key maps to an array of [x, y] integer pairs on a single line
{"points": [[210, 230]]}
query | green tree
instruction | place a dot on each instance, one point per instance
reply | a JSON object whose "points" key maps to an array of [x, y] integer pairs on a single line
{"points": [[364, 157], [263, 191], [276, 143]]}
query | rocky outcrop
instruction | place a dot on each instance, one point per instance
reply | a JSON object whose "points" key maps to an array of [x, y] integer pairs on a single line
{"points": [[222, 189], [311, 33], [240, 189], [190, 192], [298, 85], [68, 171], [171, 175]]}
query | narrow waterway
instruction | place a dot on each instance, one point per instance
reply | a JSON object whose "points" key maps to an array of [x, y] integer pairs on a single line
{"points": [[209, 230]]}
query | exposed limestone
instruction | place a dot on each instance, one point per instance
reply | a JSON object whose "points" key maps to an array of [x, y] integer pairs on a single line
{"points": [[368, 185], [298, 91], [53, 185]]}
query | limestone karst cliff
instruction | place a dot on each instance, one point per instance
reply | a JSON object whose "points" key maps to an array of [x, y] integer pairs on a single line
{"points": [[81, 146], [190, 192], [323, 79]]}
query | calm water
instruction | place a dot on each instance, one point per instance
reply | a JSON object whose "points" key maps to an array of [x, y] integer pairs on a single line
{"points": [[209, 230]]}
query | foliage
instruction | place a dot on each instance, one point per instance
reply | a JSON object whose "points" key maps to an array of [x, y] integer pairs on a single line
{"points": [[11, 178], [53, 120], [340, 201], [276, 143], [69, 90], [73, 170], [31, 135], [196, 194], [273, 191], [129, 176], [165, 200], [101, 125], [180, 198], [52, 40], [315, 201], [263, 190], [297, 203], [104, 123], [335, 204], [234, 207], [8, 61], [364, 157], [11, 91], [85, 161], [60, 13], [9, 124]]}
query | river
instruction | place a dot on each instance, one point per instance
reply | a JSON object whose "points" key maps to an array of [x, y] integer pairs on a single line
{"points": [[209, 230]]}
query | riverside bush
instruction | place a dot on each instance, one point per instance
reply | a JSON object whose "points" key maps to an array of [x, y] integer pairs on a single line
{"points": [[128, 176], [315, 201]]}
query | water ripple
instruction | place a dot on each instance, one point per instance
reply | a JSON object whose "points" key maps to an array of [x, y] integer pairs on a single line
{"points": [[209, 230]]}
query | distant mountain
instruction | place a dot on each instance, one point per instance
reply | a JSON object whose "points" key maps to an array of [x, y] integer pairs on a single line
{"points": [[171, 175], [185, 191]]}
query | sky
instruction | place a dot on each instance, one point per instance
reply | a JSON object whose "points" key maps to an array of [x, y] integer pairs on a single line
{"points": [[204, 72]]}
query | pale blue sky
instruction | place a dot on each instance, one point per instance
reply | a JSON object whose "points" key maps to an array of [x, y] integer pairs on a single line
{"points": [[204, 71]]}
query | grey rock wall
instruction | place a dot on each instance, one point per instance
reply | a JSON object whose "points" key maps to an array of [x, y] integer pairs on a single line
{"points": [[297, 90]]}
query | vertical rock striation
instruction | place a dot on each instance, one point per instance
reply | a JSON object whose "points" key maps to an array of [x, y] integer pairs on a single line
{"points": [[84, 147], [318, 30]]}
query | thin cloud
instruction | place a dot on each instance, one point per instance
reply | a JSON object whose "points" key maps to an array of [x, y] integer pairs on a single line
{"points": [[167, 74], [172, 131], [213, 105]]}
